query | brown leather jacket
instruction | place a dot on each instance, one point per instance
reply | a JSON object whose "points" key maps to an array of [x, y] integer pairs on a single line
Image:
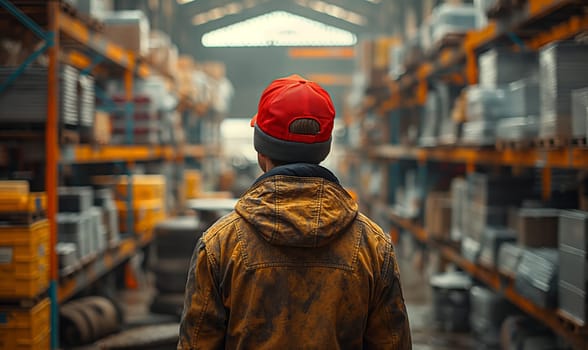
{"points": [[295, 266]]}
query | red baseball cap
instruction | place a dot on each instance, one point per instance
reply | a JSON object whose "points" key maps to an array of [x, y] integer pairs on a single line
{"points": [[284, 101]]}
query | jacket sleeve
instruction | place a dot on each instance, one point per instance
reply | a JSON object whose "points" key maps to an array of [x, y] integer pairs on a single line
{"points": [[203, 323], [387, 326]]}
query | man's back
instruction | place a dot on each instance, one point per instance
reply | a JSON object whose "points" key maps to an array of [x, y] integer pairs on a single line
{"points": [[295, 267]]}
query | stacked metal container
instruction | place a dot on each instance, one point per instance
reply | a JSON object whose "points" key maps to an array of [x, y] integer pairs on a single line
{"points": [[79, 222], [579, 113], [515, 74], [488, 200], [488, 311], [501, 66], [485, 106], [104, 199], [451, 301], [573, 267], [25, 102], [86, 105], [536, 276], [562, 69], [430, 121], [459, 200]]}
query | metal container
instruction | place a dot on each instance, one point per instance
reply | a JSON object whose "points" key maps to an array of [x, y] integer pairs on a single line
{"points": [[488, 311], [479, 133], [572, 302], [523, 98], [67, 254], [451, 301], [75, 228], [518, 129], [480, 217], [492, 239], [562, 70], [579, 112], [573, 267], [509, 256], [502, 65], [459, 207], [573, 229], [470, 249], [536, 277], [75, 199]]}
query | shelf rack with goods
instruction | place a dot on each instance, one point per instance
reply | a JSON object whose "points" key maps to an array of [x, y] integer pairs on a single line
{"points": [[530, 25], [68, 39]]}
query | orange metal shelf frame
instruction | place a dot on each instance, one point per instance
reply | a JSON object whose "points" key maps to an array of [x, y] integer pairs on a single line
{"points": [[104, 154], [78, 31], [89, 271], [570, 157], [576, 334]]}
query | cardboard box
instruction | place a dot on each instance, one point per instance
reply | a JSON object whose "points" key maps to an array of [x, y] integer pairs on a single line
{"points": [[129, 29], [538, 227], [438, 215]]}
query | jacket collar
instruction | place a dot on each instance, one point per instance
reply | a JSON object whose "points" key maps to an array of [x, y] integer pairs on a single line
{"points": [[300, 170]]}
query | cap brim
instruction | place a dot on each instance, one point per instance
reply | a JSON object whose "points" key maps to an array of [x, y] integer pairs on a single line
{"points": [[253, 120]]}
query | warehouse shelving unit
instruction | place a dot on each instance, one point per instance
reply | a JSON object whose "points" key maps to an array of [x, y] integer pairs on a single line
{"points": [[532, 25], [565, 327], [91, 52]]}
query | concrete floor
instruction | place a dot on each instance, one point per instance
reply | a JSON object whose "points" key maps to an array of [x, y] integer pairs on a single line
{"points": [[417, 295]]}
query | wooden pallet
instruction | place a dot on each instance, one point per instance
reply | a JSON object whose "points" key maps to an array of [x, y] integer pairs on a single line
{"points": [[552, 142], [516, 145], [579, 142], [22, 218]]}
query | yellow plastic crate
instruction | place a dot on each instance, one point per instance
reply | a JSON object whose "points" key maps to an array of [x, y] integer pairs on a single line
{"points": [[144, 186], [144, 219], [193, 183], [18, 203], [14, 187], [24, 260], [141, 204], [25, 328]]}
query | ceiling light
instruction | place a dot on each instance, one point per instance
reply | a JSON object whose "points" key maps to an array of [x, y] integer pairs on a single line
{"points": [[278, 28]]}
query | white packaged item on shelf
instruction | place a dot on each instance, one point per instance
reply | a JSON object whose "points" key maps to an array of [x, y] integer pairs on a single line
{"points": [[459, 204], [452, 19], [518, 128], [479, 133], [67, 254], [563, 68], [396, 64], [524, 98], [129, 29], [501, 66], [487, 104], [430, 121], [579, 112], [482, 7]]}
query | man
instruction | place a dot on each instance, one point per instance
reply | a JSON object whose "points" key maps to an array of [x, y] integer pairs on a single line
{"points": [[295, 266]]}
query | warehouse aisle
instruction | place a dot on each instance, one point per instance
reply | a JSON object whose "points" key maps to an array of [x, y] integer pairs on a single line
{"points": [[416, 292]]}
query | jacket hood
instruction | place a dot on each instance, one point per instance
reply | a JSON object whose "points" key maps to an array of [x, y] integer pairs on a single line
{"points": [[297, 211]]}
